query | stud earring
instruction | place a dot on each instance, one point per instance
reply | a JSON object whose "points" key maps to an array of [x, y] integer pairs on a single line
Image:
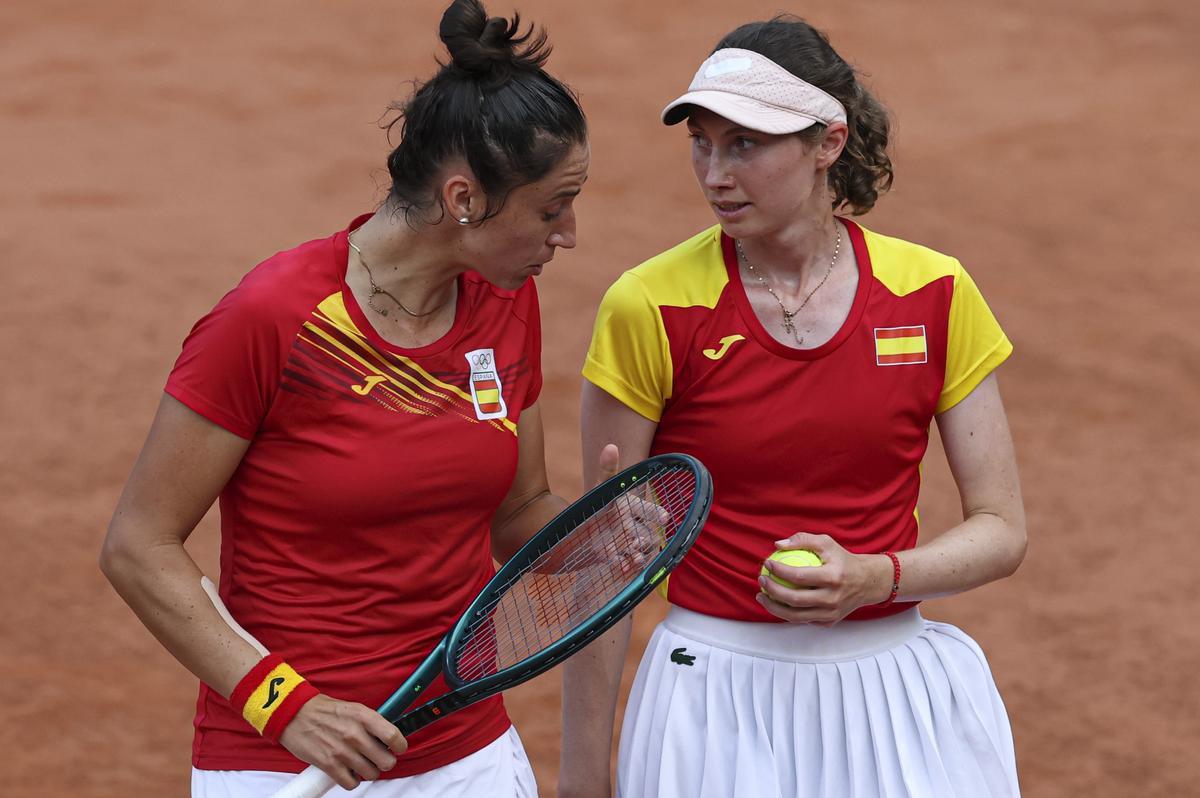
{"points": [[464, 220]]}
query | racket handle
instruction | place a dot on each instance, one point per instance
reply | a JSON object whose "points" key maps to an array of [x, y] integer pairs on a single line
{"points": [[312, 783]]}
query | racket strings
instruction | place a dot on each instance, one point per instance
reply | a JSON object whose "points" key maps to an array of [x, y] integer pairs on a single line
{"points": [[607, 550]]}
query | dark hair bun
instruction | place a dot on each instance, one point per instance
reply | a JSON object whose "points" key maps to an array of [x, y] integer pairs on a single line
{"points": [[489, 48]]}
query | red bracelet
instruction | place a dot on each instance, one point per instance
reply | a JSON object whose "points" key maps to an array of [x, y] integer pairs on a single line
{"points": [[270, 695], [895, 580]]}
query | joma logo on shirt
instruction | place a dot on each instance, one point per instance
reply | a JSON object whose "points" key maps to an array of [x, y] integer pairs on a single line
{"points": [[365, 388], [726, 342]]}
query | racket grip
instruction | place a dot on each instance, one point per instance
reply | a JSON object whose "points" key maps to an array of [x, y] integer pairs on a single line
{"points": [[312, 783]]}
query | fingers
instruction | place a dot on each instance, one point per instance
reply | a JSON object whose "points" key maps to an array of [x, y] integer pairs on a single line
{"points": [[349, 741], [822, 594], [364, 757], [816, 606], [610, 457], [386, 733], [817, 544]]}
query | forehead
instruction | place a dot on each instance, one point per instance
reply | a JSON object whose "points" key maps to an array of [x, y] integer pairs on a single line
{"points": [[566, 178], [712, 122], [573, 166]]}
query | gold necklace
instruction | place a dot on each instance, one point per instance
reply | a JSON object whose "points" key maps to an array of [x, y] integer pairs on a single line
{"points": [[375, 290], [789, 315]]}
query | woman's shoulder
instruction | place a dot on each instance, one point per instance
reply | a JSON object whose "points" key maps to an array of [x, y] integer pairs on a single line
{"points": [[688, 274], [904, 266], [289, 283], [703, 247]]}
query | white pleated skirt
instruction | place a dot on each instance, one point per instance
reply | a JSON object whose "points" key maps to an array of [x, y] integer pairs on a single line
{"points": [[894, 707], [500, 770]]}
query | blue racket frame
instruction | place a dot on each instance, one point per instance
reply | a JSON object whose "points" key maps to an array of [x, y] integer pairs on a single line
{"points": [[439, 661]]}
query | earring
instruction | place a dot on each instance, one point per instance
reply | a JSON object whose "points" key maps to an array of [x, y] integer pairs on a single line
{"points": [[465, 220]]}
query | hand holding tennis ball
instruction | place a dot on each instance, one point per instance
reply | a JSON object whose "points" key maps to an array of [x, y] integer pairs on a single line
{"points": [[797, 558]]}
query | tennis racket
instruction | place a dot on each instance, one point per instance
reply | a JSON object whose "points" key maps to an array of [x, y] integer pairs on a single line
{"points": [[571, 582]]}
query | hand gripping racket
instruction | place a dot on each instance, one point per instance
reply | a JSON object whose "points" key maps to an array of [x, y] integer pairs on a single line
{"points": [[571, 582]]}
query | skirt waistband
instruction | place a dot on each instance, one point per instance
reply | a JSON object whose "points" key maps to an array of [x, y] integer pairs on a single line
{"points": [[798, 642]]}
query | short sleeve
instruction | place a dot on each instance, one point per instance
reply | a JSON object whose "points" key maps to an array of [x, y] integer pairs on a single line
{"points": [[975, 345], [630, 357], [230, 365], [533, 342]]}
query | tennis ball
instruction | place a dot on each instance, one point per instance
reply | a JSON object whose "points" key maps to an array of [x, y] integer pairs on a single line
{"points": [[797, 558]]}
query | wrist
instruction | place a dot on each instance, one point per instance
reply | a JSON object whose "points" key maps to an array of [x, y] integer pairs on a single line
{"points": [[891, 583], [270, 695]]}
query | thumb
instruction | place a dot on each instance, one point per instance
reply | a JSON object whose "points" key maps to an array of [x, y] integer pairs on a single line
{"points": [[610, 457], [398, 743]]}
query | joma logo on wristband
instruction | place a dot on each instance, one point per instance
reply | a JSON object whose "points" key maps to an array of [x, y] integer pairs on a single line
{"points": [[270, 695], [272, 692]]}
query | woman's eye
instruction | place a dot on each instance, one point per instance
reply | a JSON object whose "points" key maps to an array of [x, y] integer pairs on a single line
{"points": [[742, 143], [550, 216]]}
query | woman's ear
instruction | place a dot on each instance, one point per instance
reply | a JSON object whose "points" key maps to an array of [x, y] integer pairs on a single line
{"points": [[461, 196], [832, 144]]}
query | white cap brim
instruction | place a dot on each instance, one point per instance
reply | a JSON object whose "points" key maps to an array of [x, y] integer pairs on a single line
{"points": [[753, 91], [749, 113]]}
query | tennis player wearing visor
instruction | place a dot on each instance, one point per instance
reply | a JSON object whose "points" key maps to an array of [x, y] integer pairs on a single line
{"points": [[802, 357]]}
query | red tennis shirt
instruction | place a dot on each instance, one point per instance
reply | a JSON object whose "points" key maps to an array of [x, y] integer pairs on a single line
{"points": [[826, 440], [356, 528]]}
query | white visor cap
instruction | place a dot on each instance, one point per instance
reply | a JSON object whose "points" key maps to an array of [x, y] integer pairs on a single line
{"points": [[752, 90]]}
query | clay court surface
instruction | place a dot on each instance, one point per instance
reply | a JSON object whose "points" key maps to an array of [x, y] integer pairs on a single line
{"points": [[153, 152]]}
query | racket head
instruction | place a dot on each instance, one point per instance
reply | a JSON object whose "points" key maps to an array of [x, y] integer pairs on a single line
{"points": [[579, 574]]}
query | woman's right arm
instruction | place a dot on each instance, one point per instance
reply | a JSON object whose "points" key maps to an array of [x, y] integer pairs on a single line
{"points": [[183, 466], [592, 678]]}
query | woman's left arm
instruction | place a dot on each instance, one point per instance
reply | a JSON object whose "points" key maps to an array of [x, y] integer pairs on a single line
{"points": [[529, 504], [989, 544]]}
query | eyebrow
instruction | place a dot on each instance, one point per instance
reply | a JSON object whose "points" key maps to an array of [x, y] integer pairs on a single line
{"points": [[569, 192], [733, 129]]}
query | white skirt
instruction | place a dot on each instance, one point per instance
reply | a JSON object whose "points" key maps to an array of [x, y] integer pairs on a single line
{"points": [[499, 769], [898, 706]]}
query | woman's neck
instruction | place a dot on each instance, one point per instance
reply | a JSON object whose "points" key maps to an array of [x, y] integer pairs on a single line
{"points": [[401, 269], [797, 255]]}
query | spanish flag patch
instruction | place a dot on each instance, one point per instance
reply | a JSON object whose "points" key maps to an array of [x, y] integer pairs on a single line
{"points": [[486, 391], [899, 346]]}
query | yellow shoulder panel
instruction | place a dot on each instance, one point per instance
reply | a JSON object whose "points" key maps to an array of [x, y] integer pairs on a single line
{"points": [[687, 275], [905, 267]]}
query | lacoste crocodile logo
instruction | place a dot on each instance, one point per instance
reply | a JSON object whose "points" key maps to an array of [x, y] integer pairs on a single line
{"points": [[680, 657], [272, 691], [726, 342]]}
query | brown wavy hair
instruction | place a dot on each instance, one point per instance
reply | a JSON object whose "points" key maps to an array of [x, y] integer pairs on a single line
{"points": [[864, 170]]}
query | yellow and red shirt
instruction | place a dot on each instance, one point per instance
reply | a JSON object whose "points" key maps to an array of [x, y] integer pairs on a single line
{"points": [[825, 440], [356, 528]]}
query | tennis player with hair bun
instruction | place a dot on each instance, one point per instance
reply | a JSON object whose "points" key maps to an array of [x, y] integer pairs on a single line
{"points": [[365, 406], [801, 357]]}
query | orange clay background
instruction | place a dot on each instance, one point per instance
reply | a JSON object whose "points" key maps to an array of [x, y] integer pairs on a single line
{"points": [[152, 152]]}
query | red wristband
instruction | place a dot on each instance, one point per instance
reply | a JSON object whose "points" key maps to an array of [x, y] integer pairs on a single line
{"points": [[270, 695], [895, 580], [253, 678], [301, 694]]}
